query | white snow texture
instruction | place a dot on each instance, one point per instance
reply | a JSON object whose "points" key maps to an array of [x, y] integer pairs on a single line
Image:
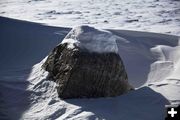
{"points": [[151, 61], [91, 39], [160, 16]]}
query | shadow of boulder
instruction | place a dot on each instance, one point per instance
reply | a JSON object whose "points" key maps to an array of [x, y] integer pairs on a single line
{"points": [[141, 104]]}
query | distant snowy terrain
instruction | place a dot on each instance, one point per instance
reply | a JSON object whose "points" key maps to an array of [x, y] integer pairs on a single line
{"points": [[161, 16], [152, 62]]}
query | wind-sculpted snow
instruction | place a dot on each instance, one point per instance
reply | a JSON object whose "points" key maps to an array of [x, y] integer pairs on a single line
{"points": [[23, 44], [165, 72], [152, 62], [47, 105]]}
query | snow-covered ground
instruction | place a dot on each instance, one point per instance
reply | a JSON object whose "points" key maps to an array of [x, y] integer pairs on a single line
{"points": [[161, 16], [152, 62]]}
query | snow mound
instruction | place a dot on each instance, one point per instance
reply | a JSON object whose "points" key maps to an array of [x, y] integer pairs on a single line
{"points": [[152, 62], [92, 39], [45, 103]]}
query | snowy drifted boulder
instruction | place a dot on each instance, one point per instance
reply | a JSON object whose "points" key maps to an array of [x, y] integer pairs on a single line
{"points": [[86, 64]]}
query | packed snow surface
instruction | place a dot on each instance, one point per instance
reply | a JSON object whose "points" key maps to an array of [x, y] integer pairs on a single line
{"points": [[162, 16], [152, 62]]}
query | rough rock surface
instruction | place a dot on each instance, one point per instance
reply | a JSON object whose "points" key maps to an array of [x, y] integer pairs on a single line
{"points": [[81, 73]]}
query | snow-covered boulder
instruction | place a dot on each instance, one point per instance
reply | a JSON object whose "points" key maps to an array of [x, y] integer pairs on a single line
{"points": [[86, 64]]}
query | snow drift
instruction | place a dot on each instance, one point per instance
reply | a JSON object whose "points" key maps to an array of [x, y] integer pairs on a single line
{"points": [[152, 62]]}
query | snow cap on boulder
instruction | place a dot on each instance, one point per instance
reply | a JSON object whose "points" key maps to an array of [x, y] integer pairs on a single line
{"points": [[92, 39]]}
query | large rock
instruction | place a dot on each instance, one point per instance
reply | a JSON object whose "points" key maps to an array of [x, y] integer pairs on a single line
{"points": [[81, 72]]}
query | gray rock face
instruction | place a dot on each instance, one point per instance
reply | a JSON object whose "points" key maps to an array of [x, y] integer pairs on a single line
{"points": [[82, 74], [89, 68]]}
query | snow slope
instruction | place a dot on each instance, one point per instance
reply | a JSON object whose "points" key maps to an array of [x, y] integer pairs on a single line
{"points": [[161, 16], [152, 62]]}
